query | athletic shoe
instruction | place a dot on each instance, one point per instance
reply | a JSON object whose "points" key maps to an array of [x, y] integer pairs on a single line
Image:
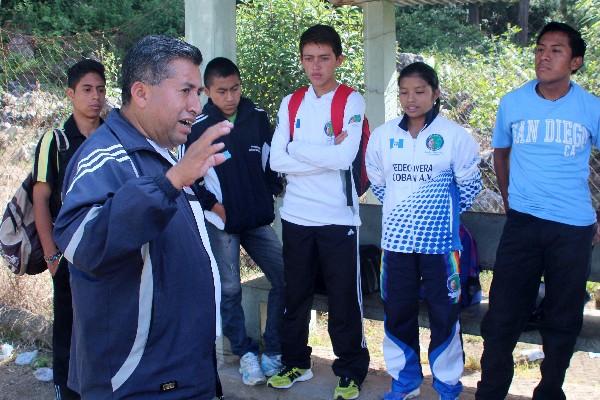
{"points": [[250, 370], [271, 365], [401, 395], [346, 389], [288, 376]]}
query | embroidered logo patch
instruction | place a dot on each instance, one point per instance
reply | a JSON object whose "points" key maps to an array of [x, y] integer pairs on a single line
{"points": [[328, 129], [399, 144], [434, 142], [453, 284], [354, 118]]}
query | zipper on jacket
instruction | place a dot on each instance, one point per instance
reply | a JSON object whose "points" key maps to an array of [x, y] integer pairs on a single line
{"points": [[412, 190]]}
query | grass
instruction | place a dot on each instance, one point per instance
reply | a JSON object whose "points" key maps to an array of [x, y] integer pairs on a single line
{"points": [[527, 369], [472, 363], [31, 293]]}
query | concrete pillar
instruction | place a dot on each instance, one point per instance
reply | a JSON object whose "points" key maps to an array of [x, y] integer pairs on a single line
{"points": [[381, 88], [210, 26]]}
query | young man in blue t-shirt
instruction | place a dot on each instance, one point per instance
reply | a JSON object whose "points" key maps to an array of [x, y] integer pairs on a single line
{"points": [[542, 143]]}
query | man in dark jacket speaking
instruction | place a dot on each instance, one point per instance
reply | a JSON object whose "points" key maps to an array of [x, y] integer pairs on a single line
{"points": [[145, 286]]}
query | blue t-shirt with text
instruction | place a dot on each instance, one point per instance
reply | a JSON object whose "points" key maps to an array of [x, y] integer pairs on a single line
{"points": [[550, 145]]}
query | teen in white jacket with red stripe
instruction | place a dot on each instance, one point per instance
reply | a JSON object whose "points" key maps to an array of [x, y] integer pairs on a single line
{"points": [[319, 228], [424, 169]]}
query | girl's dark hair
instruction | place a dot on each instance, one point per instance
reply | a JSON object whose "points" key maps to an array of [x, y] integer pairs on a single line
{"points": [[426, 73]]}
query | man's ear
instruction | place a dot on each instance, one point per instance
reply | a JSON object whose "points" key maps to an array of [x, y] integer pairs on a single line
{"points": [[576, 63], [207, 91], [339, 60], [140, 93], [70, 93]]}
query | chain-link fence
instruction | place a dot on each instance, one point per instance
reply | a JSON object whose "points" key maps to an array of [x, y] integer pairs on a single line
{"points": [[33, 78]]}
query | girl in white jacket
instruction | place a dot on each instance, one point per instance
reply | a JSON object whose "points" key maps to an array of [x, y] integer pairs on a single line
{"points": [[424, 169]]}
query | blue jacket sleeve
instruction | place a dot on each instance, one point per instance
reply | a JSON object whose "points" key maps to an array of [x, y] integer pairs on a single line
{"points": [[109, 213]]}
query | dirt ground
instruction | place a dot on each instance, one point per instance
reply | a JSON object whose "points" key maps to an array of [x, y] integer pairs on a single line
{"points": [[18, 383], [583, 380]]}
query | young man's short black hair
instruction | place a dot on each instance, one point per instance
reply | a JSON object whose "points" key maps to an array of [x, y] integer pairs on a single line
{"points": [[220, 67], [576, 42], [81, 68], [322, 34]]}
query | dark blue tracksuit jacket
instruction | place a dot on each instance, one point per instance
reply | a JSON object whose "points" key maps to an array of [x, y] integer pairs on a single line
{"points": [[143, 288], [245, 183]]}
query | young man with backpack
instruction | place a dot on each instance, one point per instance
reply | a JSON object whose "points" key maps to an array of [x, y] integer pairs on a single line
{"points": [[237, 197], [86, 91], [319, 221]]}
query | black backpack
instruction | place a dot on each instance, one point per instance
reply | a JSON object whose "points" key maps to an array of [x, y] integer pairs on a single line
{"points": [[370, 261], [20, 244]]}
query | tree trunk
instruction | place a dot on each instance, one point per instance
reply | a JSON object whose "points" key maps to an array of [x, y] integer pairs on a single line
{"points": [[523, 21], [564, 11], [475, 14]]}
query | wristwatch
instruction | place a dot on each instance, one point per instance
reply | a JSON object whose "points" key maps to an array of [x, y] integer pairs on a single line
{"points": [[51, 259]]}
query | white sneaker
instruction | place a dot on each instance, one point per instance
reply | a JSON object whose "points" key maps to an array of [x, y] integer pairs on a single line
{"points": [[402, 396], [250, 370], [271, 365]]}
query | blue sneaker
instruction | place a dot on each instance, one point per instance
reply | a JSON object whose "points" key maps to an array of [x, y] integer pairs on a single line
{"points": [[271, 365], [401, 395]]}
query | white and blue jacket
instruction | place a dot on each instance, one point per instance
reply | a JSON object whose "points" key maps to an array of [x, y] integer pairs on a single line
{"points": [[144, 297], [424, 183]]}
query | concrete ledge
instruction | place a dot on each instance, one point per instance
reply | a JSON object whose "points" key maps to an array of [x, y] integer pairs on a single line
{"points": [[486, 229], [255, 292]]}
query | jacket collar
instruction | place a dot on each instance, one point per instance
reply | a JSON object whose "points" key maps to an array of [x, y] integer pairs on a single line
{"points": [[429, 117], [244, 109], [71, 130], [131, 139]]}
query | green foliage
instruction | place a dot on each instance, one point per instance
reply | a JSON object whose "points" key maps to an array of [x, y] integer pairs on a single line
{"points": [[268, 32], [496, 16], [132, 19], [475, 82], [428, 28], [589, 11], [41, 361], [61, 32]]}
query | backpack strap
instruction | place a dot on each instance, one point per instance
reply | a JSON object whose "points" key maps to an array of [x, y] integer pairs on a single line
{"points": [[293, 107], [62, 142], [338, 104]]}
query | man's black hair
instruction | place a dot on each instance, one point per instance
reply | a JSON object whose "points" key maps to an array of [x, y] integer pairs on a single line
{"points": [[576, 42], [322, 34], [219, 67], [81, 68], [148, 61]]}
